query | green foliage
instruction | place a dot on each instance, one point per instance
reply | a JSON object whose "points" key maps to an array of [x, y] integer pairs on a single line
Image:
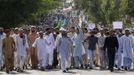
{"points": [[17, 12], [130, 9], [105, 11]]}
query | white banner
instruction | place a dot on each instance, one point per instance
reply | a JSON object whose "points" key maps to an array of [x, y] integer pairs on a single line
{"points": [[118, 25]]}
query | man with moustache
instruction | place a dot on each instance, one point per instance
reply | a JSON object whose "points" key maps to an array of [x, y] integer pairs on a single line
{"points": [[22, 48]]}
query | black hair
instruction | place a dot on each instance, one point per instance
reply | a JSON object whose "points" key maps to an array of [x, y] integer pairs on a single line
{"points": [[64, 34], [47, 29]]}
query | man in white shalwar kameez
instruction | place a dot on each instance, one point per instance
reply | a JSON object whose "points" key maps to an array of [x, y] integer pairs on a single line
{"points": [[64, 47], [50, 47], [40, 43], [78, 50], [22, 46], [126, 46], [15, 54], [2, 36], [119, 60], [133, 48]]}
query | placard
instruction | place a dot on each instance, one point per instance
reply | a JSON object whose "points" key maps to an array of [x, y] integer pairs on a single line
{"points": [[118, 25]]}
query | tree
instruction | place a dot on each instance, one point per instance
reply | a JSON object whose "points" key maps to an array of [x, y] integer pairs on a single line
{"points": [[104, 11], [130, 9], [17, 12]]}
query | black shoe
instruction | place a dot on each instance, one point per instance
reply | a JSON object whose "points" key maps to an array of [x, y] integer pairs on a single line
{"points": [[119, 69], [111, 70], [116, 66], [81, 66], [1, 69], [108, 68], [49, 67], [122, 67], [42, 69], [19, 70], [86, 66], [91, 68], [67, 69], [7, 71], [77, 68], [64, 71], [126, 68]]}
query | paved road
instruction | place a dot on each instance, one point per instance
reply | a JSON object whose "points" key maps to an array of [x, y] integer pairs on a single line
{"points": [[71, 72]]}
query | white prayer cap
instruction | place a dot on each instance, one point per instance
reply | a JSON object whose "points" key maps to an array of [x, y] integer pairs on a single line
{"points": [[62, 29], [129, 29], [33, 26], [16, 28], [21, 30], [40, 32]]}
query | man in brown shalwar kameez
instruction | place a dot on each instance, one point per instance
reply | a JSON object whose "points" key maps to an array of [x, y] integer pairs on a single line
{"points": [[33, 52], [8, 51]]}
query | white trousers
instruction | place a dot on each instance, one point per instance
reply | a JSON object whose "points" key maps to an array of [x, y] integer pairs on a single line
{"points": [[65, 63], [20, 61], [49, 59], [42, 61], [120, 60]]}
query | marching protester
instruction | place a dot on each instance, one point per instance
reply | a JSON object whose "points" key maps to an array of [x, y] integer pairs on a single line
{"points": [[55, 54], [101, 41], [85, 56], [50, 47], [78, 39], [22, 48], [8, 48], [127, 43], [133, 50], [64, 48], [119, 59], [71, 35], [2, 36], [40, 44], [14, 35], [111, 44], [32, 52], [92, 42]]}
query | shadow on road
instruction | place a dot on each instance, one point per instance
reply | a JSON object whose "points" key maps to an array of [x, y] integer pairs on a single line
{"points": [[84, 69], [119, 72], [25, 72], [71, 72], [14, 73]]}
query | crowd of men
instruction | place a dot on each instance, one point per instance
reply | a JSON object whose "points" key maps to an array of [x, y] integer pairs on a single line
{"points": [[73, 47]]}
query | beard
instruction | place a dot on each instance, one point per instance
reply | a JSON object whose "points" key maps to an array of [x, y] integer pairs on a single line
{"points": [[33, 31], [22, 36]]}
